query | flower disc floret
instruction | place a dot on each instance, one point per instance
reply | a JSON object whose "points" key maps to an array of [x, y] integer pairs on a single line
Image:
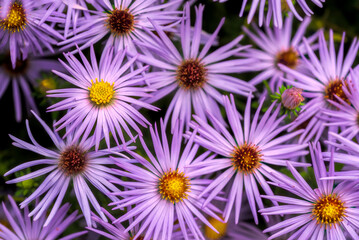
{"points": [[120, 22], [335, 88], [191, 74], [329, 210], [220, 226], [246, 158], [174, 186], [101, 93], [15, 20], [73, 160], [288, 58]]}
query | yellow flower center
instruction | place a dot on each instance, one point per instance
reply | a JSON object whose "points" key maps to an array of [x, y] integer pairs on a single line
{"points": [[174, 186], [101, 92], [329, 210], [335, 88], [15, 19], [220, 226], [288, 57], [246, 158]]}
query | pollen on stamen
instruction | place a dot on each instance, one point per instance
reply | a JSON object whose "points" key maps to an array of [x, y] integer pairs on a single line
{"points": [[335, 88], [120, 22], [191, 74], [329, 210], [15, 19], [101, 93], [246, 158], [73, 160], [174, 186]]}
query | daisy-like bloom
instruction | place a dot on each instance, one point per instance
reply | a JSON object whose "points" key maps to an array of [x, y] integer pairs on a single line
{"points": [[71, 161], [244, 156], [274, 10], [20, 32], [327, 212], [103, 98], [276, 46], [23, 77], [119, 23], [345, 114], [194, 74], [324, 82], [164, 191], [23, 227]]}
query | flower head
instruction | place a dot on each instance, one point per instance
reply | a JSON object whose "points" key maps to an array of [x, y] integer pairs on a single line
{"points": [[23, 227], [119, 23], [323, 83], [244, 155], [104, 98], [165, 190], [194, 75], [71, 161], [20, 32], [276, 46], [327, 212]]}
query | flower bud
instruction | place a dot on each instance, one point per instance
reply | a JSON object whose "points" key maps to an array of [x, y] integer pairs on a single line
{"points": [[292, 98]]}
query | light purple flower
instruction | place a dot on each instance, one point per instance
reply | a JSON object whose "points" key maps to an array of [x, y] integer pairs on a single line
{"points": [[324, 82], [118, 23], [165, 190], [23, 227], [327, 212], [22, 78], [273, 10], [344, 114], [193, 74], [103, 98], [276, 46], [71, 161], [20, 32], [245, 154]]}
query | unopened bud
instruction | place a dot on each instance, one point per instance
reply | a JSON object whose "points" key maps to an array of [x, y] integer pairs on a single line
{"points": [[292, 98]]}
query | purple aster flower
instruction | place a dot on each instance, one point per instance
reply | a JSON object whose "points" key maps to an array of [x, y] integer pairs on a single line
{"points": [[344, 115], [194, 74], [325, 82], [274, 10], [327, 212], [276, 46], [165, 190], [22, 77], [104, 98], [245, 155], [21, 33], [119, 23], [22, 227], [71, 161]]}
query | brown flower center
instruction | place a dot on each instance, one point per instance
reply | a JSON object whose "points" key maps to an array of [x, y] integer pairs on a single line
{"points": [[191, 74], [329, 210], [288, 58], [335, 88], [15, 19], [246, 158], [20, 66], [120, 22], [73, 161]]}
